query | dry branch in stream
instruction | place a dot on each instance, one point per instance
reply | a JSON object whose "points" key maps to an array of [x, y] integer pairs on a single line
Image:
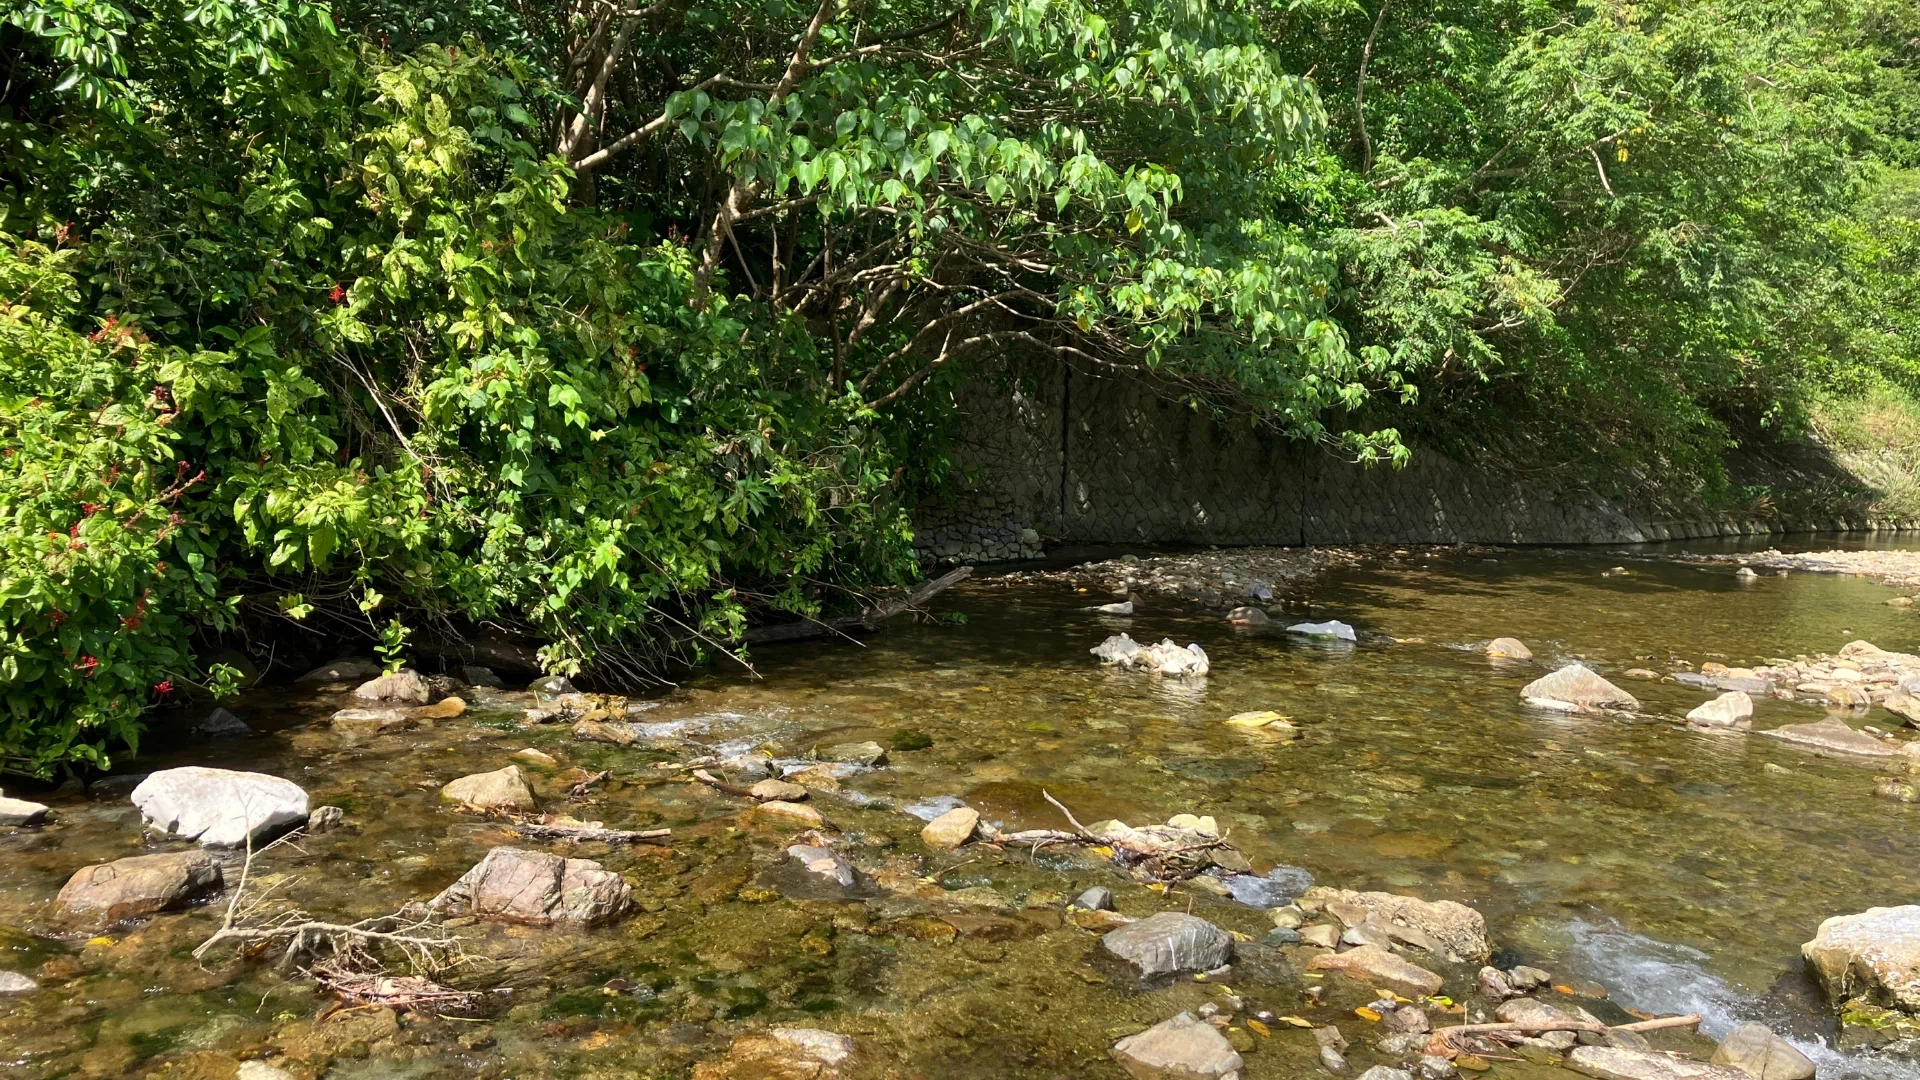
{"points": [[355, 960]]}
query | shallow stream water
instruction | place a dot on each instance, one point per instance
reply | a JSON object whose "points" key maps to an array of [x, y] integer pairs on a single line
{"points": [[1672, 868]]}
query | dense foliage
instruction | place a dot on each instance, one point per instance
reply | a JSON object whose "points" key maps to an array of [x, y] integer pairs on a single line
{"points": [[607, 327]]}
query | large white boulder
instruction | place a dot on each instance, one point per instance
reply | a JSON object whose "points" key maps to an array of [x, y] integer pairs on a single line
{"points": [[220, 807]]}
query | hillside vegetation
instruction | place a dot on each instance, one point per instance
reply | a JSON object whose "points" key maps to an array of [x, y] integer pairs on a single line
{"points": [[617, 328]]}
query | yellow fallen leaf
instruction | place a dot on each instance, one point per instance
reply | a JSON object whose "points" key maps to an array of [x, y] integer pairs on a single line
{"points": [[1564, 989], [1238, 936], [98, 942], [1259, 1029], [1102, 850], [1365, 1013], [1158, 886], [1441, 1000], [1296, 1021]]}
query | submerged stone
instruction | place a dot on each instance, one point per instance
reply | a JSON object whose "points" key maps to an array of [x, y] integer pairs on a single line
{"points": [[1833, 734], [1182, 1048], [1755, 1050], [1378, 966], [1333, 630], [1613, 1063]]}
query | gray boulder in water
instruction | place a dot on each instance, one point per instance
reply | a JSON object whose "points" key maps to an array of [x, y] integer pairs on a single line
{"points": [[533, 887], [1168, 942], [220, 807]]}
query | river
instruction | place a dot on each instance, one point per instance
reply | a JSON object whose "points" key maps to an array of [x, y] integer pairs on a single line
{"points": [[1678, 870]]}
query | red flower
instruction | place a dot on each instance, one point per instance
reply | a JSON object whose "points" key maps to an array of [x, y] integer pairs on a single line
{"points": [[130, 622], [338, 294], [163, 687], [89, 509], [87, 664]]}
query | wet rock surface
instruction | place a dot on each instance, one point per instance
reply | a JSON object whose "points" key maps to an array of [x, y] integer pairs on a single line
{"points": [[139, 885], [538, 889], [1755, 1050], [1612, 1063], [1874, 954], [502, 789], [1182, 1048]]}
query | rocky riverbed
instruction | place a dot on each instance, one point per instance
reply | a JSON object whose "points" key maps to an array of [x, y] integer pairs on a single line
{"points": [[976, 851]]}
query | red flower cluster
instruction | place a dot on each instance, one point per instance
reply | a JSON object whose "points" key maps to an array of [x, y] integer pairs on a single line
{"points": [[338, 294], [87, 664], [163, 687]]}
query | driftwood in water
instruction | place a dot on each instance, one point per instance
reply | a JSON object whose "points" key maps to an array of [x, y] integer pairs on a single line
{"points": [[869, 619], [586, 832], [1519, 1028]]}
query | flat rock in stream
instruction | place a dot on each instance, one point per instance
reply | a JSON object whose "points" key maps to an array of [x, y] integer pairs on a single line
{"points": [[1875, 954], [1455, 929], [533, 887], [502, 789], [12, 983], [20, 812], [140, 885], [1331, 630], [1612, 1063], [1755, 1050], [1378, 966], [1182, 1048], [408, 687], [1834, 736], [370, 721], [1168, 942], [1577, 687], [220, 807], [1733, 709]]}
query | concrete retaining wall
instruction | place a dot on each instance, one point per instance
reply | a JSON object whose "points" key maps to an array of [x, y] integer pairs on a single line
{"points": [[1047, 455]]}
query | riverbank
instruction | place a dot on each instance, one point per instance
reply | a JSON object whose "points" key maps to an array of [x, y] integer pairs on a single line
{"points": [[1591, 846]]}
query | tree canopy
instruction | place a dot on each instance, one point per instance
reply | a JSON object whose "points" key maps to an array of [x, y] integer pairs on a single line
{"points": [[614, 328]]}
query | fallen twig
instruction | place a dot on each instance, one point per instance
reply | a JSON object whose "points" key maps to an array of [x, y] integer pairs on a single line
{"points": [[583, 787], [1071, 820], [711, 780]]}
